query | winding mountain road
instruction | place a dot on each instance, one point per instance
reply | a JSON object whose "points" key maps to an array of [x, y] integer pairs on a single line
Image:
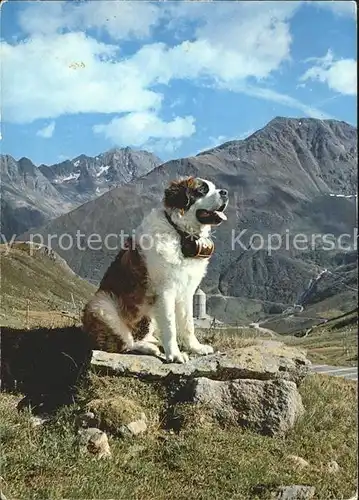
{"points": [[347, 372]]}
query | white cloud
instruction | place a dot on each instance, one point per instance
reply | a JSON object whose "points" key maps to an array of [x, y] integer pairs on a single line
{"points": [[63, 157], [163, 145], [213, 142], [147, 130], [61, 72], [47, 132], [68, 74], [233, 41], [285, 100], [339, 74], [120, 19], [179, 101], [247, 133]]}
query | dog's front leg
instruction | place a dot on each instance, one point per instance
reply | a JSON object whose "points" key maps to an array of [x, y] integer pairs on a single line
{"points": [[166, 320], [184, 312]]}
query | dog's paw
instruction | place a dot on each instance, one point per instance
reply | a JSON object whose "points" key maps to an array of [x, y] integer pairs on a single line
{"points": [[177, 357], [202, 349], [148, 348]]}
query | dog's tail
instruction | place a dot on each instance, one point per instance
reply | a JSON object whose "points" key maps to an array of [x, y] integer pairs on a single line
{"points": [[102, 320]]}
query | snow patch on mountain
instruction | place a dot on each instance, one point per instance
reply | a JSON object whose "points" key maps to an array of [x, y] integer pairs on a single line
{"points": [[102, 169], [343, 195], [71, 177]]}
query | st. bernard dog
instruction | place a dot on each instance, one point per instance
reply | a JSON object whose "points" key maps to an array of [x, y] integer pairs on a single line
{"points": [[146, 295]]}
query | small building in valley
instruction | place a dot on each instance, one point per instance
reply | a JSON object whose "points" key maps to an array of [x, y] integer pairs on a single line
{"points": [[199, 304]]}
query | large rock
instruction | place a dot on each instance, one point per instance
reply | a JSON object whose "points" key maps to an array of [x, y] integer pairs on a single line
{"points": [[254, 386], [266, 360], [270, 407]]}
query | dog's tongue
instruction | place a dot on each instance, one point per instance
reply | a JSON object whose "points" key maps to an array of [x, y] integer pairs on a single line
{"points": [[214, 218], [221, 215]]}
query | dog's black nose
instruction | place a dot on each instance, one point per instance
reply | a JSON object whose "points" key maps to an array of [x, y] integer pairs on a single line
{"points": [[223, 193]]}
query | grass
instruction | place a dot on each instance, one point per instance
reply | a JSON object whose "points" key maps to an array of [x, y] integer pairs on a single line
{"points": [[198, 463], [325, 345], [331, 344], [37, 290], [228, 338]]}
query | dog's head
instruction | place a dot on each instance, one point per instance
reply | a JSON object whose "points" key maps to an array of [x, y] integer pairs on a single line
{"points": [[197, 200]]}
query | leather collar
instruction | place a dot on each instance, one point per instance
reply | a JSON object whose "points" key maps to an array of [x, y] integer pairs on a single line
{"points": [[193, 246]]}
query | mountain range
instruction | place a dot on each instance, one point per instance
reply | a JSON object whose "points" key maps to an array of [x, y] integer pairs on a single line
{"points": [[292, 176], [32, 195]]}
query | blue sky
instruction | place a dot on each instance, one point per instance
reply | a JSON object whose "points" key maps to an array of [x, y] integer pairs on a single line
{"points": [[174, 78]]}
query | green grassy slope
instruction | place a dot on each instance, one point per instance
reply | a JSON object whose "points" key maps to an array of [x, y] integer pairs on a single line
{"points": [[41, 282], [333, 343]]}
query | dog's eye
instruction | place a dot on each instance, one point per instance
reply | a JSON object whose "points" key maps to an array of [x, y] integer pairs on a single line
{"points": [[202, 190]]}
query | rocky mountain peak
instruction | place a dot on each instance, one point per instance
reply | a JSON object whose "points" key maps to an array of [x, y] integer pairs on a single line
{"points": [[31, 194]]}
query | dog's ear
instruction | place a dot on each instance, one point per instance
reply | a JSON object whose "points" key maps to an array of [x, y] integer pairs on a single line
{"points": [[177, 195]]}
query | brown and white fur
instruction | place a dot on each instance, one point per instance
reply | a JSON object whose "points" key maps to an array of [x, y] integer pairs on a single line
{"points": [[146, 295]]}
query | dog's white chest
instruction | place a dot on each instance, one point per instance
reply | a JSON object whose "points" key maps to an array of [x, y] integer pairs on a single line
{"points": [[190, 273], [166, 265]]}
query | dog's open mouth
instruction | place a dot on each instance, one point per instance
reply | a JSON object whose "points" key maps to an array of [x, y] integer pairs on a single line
{"points": [[212, 217]]}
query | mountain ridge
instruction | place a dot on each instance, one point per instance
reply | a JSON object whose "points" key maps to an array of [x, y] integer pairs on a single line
{"points": [[288, 181], [32, 195]]}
